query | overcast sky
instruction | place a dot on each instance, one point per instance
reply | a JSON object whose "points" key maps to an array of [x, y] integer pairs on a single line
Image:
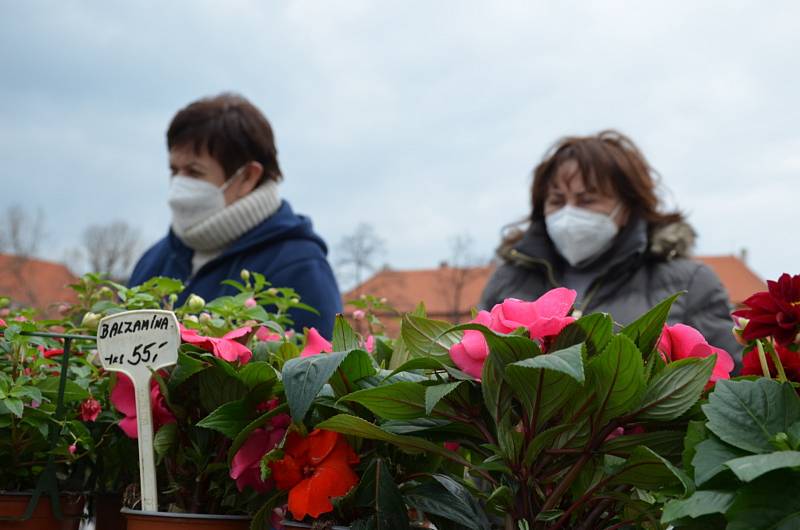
{"points": [[421, 118]]}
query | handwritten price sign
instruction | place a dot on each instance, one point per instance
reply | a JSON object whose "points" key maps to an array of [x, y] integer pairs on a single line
{"points": [[138, 343]]}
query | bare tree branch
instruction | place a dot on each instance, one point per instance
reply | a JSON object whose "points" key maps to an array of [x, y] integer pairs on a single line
{"points": [[456, 274], [111, 248], [21, 234], [357, 253]]}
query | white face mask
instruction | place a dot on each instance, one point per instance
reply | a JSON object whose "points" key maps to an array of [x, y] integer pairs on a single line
{"points": [[193, 200], [580, 234]]}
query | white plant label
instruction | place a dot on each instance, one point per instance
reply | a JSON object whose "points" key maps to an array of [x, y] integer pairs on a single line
{"points": [[138, 343]]}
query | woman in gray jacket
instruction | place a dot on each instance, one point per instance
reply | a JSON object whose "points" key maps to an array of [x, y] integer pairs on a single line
{"points": [[597, 227]]}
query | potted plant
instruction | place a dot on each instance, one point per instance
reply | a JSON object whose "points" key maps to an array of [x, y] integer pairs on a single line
{"points": [[225, 383], [744, 453], [46, 409], [534, 418]]}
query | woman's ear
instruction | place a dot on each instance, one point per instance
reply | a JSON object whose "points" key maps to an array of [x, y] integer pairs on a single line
{"points": [[251, 177]]}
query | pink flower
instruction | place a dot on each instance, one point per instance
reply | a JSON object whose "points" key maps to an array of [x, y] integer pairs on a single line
{"points": [[250, 302], [681, 341], [470, 354], [123, 398], [72, 448], [265, 335], [90, 409], [225, 347], [246, 463], [370, 344], [358, 314], [3, 323], [544, 317], [315, 344]]}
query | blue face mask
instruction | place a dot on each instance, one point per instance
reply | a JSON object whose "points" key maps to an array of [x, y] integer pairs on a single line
{"points": [[580, 234]]}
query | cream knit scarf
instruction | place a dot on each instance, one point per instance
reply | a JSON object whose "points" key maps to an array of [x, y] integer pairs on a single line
{"points": [[209, 237]]}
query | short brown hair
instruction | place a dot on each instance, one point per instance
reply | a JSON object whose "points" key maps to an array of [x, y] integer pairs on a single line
{"points": [[609, 162], [231, 129]]}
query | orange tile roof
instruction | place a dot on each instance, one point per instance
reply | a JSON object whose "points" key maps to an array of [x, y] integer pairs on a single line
{"points": [[404, 289], [31, 282]]}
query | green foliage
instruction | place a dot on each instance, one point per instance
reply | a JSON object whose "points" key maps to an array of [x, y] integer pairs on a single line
{"points": [[748, 465]]}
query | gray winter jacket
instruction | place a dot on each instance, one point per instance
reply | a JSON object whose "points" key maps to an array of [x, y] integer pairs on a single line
{"points": [[636, 273]]}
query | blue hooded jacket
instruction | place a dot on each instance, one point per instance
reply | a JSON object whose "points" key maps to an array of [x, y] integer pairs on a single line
{"points": [[284, 248]]}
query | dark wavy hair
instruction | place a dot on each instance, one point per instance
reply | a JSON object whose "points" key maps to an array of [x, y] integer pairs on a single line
{"points": [[231, 129], [609, 162]]}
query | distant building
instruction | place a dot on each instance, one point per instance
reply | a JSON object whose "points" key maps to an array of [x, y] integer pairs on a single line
{"points": [[31, 282], [451, 294]]}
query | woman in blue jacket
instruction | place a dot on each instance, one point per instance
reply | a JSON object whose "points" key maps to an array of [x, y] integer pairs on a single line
{"points": [[227, 214]]}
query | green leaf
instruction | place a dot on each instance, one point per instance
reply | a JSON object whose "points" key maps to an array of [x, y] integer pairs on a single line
{"points": [[377, 491], [541, 441], [748, 414], [647, 329], [165, 438], [304, 377], [435, 393], [397, 401], [770, 502], [217, 388], [749, 468], [665, 443], [72, 390], [356, 365], [31, 392], [699, 504], [568, 362], [710, 458], [354, 426], [696, 432], [446, 498], [430, 363], [425, 337], [344, 338], [648, 470], [615, 380], [595, 330], [187, 366], [14, 406], [229, 418], [675, 389], [255, 373]]}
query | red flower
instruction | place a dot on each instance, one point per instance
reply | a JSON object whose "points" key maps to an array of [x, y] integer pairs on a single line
{"points": [[775, 312], [246, 463], [123, 398], [681, 341], [225, 347], [789, 359], [315, 469], [90, 409]]}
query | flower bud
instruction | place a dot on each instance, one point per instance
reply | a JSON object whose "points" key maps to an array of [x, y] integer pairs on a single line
{"points": [[195, 303], [105, 292], [173, 298], [72, 449], [383, 300], [272, 291], [739, 324], [205, 317], [90, 320], [250, 302], [295, 300], [245, 274], [191, 318], [358, 314]]}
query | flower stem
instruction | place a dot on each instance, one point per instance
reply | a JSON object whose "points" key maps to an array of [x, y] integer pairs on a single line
{"points": [[762, 359], [775, 359]]}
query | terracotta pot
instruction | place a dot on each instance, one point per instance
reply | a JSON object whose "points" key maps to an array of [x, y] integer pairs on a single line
{"points": [[15, 504], [106, 512], [138, 520]]}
